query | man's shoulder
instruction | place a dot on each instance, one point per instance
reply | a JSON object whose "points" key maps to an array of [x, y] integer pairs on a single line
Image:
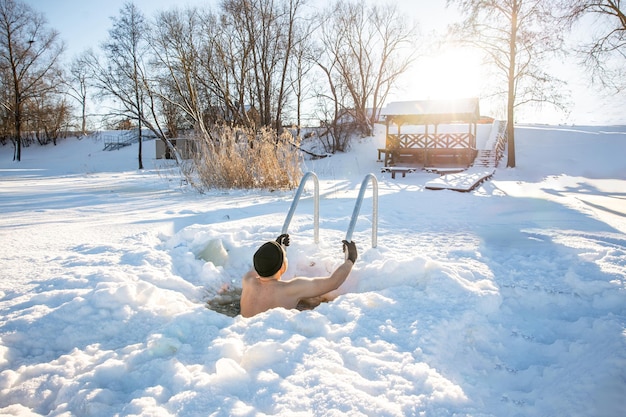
{"points": [[250, 275]]}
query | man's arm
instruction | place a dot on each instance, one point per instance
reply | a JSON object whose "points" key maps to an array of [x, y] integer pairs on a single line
{"points": [[312, 287]]}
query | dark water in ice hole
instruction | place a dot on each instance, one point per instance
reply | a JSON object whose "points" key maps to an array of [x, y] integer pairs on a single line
{"points": [[227, 302]]}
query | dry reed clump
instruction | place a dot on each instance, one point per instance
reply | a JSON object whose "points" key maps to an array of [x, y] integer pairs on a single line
{"points": [[243, 159]]}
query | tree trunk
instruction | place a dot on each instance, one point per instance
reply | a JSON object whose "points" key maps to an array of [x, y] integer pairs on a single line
{"points": [[140, 114], [140, 147], [17, 156], [83, 129], [510, 116]]}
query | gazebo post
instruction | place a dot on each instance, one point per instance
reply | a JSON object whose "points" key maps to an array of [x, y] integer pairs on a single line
{"points": [[426, 153], [387, 133], [475, 135], [399, 124]]}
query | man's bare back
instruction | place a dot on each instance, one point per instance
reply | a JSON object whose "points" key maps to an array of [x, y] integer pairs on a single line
{"points": [[261, 292]]}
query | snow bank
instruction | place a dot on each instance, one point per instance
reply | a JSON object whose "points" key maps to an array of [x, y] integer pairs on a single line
{"points": [[509, 300]]}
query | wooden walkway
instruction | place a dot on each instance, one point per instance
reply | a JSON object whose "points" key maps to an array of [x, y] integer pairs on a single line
{"points": [[463, 181]]}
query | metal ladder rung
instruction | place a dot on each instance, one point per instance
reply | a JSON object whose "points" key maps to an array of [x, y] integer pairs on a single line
{"points": [[357, 208], [316, 210], [355, 214]]}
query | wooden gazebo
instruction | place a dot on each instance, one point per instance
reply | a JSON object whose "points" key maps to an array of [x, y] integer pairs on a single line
{"points": [[431, 147]]}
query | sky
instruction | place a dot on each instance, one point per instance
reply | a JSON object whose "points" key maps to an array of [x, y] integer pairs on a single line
{"points": [[85, 24]]}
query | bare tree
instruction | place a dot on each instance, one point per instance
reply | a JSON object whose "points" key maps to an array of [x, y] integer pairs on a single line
{"points": [[303, 64], [29, 52], [517, 36], [290, 37], [266, 29], [203, 67], [50, 116], [6, 129], [364, 51], [123, 74], [177, 39], [375, 48], [77, 82], [604, 53], [394, 50], [331, 95], [331, 102], [227, 64]]}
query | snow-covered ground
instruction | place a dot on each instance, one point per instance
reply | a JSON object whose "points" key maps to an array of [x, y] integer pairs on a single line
{"points": [[507, 301]]}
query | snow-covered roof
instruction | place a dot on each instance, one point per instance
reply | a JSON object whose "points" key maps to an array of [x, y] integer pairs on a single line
{"points": [[432, 111]]}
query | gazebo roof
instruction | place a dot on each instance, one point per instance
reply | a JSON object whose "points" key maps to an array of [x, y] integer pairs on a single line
{"points": [[423, 112]]}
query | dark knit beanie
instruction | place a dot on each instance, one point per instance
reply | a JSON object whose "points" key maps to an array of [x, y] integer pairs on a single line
{"points": [[268, 259]]}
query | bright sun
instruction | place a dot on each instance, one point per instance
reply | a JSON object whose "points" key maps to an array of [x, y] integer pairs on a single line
{"points": [[454, 73]]}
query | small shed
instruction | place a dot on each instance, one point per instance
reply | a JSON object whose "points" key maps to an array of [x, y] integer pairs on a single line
{"points": [[454, 146], [185, 147]]}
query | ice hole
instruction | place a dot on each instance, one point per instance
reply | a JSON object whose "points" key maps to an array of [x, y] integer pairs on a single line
{"points": [[226, 302]]}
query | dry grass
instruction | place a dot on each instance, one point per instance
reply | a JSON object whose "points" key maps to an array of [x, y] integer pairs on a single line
{"points": [[243, 159]]}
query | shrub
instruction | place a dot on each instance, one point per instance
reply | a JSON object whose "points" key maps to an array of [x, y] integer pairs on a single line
{"points": [[241, 158]]}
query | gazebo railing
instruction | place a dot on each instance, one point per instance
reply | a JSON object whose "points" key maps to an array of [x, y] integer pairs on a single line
{"points": [[430, 141]]}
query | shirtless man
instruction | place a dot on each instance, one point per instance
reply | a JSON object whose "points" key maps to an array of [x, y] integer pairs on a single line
{"points": [[262, 288]]}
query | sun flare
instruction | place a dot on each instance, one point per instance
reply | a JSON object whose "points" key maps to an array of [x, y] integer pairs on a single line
{"points": [[451, 74]]}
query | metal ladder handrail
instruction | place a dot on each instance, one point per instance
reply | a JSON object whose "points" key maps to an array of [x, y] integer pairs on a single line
{"points": [[316, 209], [357, 209]]}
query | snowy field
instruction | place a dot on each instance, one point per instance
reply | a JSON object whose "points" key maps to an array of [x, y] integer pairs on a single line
{"points": [[506, 301]]}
